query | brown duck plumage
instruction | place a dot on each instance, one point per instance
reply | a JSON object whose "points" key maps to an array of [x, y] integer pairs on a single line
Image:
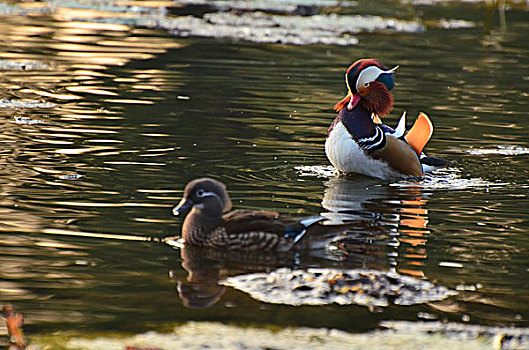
{"points": [[250, 230]]}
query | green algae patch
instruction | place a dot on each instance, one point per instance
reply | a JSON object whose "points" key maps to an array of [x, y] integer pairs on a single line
{"points": [[211, 335]]}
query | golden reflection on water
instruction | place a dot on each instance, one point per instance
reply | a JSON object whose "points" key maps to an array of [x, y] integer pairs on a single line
{"points": [[406, 219], [69, 62], [89, 47], [72, 233]]}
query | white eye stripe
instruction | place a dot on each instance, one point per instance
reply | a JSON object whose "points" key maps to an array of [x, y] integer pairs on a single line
{"points": [[204, 194], [209, 194], [370, 74]]}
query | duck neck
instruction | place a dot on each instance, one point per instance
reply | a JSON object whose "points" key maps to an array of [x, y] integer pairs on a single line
{"points": [[198, 226], [357, 121]]}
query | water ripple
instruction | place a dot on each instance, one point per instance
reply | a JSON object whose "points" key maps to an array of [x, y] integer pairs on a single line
{"points": [[448, 179], [500, 150]]}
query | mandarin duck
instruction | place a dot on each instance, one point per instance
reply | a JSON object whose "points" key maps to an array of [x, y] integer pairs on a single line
{"points": [[206, 200], [358, 142]]}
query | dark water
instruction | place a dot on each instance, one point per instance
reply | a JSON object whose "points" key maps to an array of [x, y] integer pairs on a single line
{"points": [[134, 114]]}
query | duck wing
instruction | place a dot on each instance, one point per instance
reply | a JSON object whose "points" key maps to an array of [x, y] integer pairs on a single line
{"points": [[243, 221], [265, 230]]}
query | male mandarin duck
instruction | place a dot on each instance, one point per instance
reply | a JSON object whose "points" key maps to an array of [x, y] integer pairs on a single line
{"points": [[358, 142], [206, 200]]}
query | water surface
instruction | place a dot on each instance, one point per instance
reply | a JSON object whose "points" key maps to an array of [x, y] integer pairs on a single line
{"points": [[102, 125]]}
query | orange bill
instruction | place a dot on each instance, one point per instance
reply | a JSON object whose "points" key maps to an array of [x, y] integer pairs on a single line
{"points": [[420, 133]]}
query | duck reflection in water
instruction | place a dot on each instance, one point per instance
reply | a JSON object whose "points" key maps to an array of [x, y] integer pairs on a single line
{"points": [[395, 220], [200, 289], [207, 267]]}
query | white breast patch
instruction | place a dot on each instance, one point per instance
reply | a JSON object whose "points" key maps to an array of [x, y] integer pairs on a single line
{"points": [[345, 155]]}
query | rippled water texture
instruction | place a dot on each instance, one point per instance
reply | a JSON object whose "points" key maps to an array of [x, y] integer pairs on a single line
{"points": [[105, 116]]}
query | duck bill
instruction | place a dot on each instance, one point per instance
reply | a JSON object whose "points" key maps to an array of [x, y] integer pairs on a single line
{"points": [[183, 207]]}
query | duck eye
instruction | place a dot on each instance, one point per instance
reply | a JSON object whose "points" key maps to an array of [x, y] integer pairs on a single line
{"points": [[366, 84], [200, 193]]}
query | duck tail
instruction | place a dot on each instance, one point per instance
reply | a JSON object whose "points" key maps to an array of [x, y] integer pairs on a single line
{"points": [[319, 235]]}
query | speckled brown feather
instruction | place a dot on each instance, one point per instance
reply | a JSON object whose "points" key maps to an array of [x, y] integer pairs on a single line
{"points": [[246, 230], [194, 228], [259, 230], [241, 230]]}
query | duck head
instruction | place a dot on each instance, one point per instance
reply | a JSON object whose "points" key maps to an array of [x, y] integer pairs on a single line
{"points": [[369, 83], [208, 196]]}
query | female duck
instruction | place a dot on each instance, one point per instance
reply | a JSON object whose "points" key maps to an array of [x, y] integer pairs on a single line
{"points": [[249, 230]]}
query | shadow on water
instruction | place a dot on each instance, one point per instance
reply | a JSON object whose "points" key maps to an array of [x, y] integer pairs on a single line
{"points": [[102, 125]]}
